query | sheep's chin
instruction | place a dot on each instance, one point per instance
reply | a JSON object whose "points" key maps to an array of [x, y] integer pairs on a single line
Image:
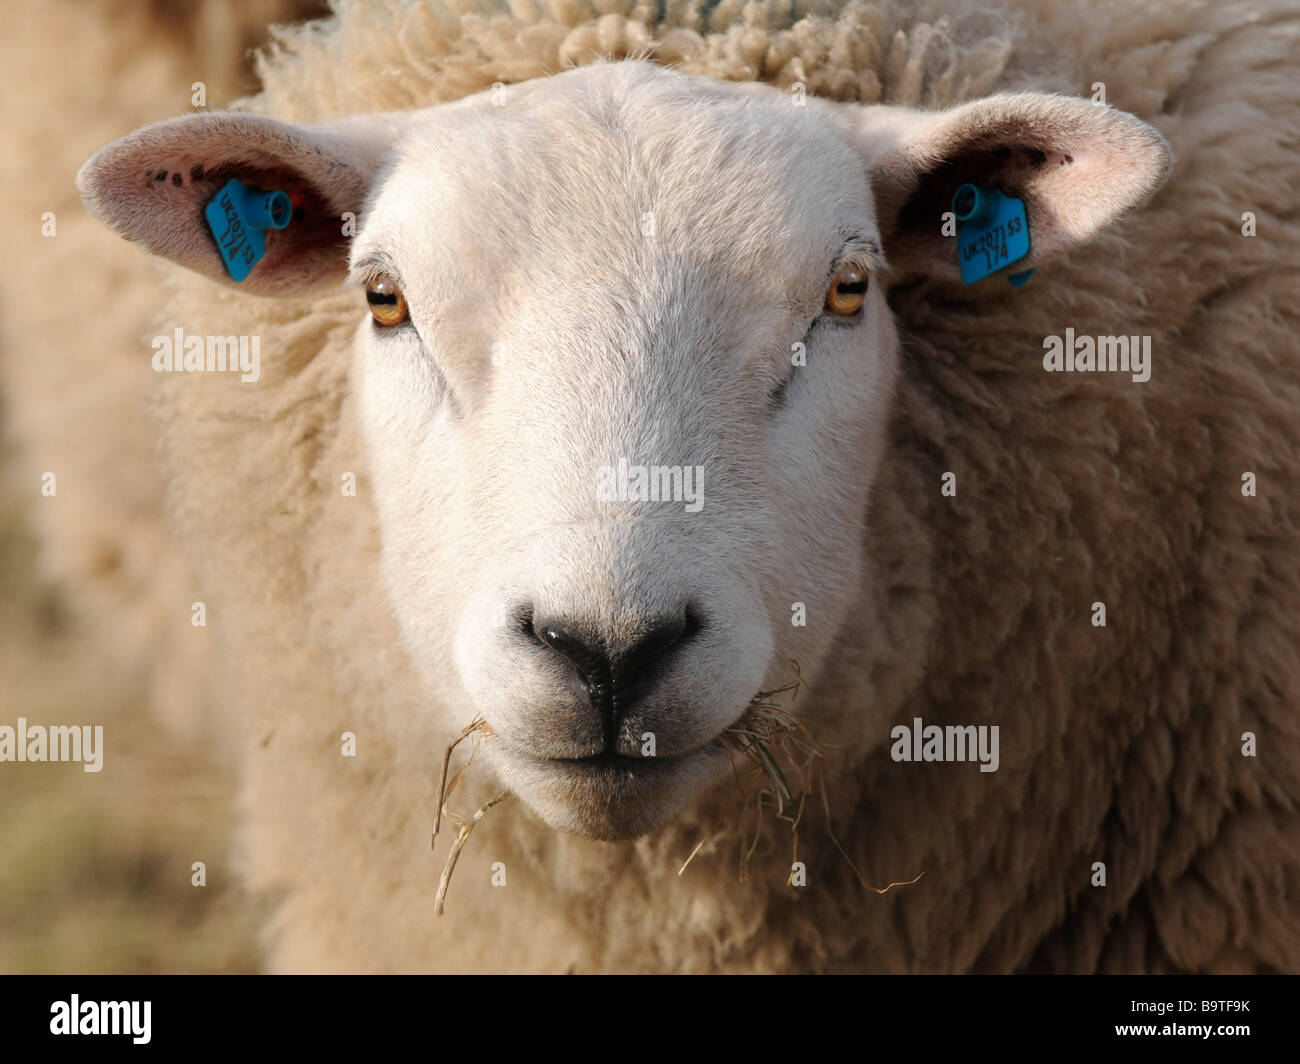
{"points": [[608, 799]]}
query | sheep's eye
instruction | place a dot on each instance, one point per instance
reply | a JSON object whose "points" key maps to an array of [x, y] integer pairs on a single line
{"points": [[387, 304], [847, 291]]}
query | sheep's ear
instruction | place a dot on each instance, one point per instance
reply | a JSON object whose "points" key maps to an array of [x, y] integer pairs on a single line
{"points": [[1076, 165], [153, 186]]}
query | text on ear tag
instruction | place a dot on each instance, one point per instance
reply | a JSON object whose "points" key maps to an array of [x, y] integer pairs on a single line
{"points": [[238, 216], [993, 232]]}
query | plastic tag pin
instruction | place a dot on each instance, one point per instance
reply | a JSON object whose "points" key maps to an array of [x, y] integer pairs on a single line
{"points": [[993, 232], [238, 217]]}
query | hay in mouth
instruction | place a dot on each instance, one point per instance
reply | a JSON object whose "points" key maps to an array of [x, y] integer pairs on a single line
{"points": [[783, 748], [775, 740]]}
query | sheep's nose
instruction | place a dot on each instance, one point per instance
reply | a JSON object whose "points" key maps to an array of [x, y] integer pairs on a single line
{"points": [[616, 673]]}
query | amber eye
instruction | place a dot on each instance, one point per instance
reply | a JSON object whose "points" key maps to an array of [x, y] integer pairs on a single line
{"points": [[847, 291], [387, 304]]}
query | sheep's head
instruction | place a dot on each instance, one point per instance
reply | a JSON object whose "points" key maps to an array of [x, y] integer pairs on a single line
{"points": [[624, 375]]}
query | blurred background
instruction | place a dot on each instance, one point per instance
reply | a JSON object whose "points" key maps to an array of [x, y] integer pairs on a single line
{"points": [[95, 868]]}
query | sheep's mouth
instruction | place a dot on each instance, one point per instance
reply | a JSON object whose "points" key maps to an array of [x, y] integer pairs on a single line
{"points": [[612, 796], [609, 766], [609, 760], [609, 796]]}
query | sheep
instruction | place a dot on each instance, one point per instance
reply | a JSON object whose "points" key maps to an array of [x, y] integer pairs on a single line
{"points": [[396, 527]]}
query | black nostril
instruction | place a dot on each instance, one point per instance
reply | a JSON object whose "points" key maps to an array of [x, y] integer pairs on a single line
{"points": [[587, 656], [637, 658], [614, 680]]}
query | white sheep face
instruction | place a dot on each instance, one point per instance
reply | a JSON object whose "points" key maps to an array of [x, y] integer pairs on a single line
{"points": [[629, 268], [613, 278]]}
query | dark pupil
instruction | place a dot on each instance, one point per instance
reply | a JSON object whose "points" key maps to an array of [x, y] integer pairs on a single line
{"points": [[854, 288], [385, 299]]}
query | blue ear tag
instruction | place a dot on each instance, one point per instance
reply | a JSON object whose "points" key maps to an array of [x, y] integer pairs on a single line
{"points": [[238, 216], [994, 233]]}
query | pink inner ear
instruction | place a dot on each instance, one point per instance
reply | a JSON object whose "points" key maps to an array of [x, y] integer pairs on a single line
{"points": [[315, 225], [152, 188], [181, 183], [1047, 179], [1076, 166]]}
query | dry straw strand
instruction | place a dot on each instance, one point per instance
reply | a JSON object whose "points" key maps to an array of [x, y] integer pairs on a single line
{"points": [[771, 736], [446, 785]]}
